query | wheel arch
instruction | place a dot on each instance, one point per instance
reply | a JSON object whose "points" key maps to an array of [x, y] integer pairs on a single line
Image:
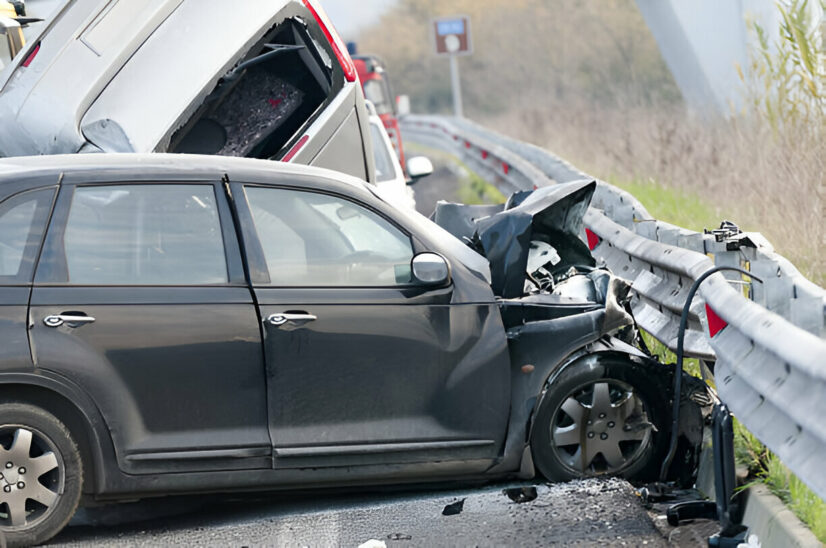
{"points": [[605, 348], [72, 407]]}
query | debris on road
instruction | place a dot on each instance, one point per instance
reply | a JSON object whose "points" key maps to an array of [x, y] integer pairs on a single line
{"points": [[454, 508]]}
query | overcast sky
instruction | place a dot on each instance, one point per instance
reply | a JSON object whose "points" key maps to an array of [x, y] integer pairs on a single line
{"points": [[350, 15]]}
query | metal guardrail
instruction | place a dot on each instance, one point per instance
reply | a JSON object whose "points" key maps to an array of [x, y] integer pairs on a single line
{"points": [[770, 356]]}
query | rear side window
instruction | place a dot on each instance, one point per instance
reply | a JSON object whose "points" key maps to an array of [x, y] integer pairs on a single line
{"points": [[262, 102], [140, 235], [381, 154], [22, 221], [317, 240]]}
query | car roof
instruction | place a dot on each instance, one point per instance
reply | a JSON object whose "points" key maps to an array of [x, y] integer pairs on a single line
{"points": [[129, 166]]}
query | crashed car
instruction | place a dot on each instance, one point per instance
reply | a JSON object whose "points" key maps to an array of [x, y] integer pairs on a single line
{"points": [[269, 80], [186, 324]]}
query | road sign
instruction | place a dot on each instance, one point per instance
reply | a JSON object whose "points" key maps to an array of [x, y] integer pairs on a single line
{"points": [[452, 35]]}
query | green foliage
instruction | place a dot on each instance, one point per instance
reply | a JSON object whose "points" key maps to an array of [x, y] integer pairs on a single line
{"points": [[477, 191], [680, 207], [806, 505], [790, 74]]}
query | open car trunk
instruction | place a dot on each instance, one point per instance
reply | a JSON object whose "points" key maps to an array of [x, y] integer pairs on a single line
{"points": [[260, 104]]}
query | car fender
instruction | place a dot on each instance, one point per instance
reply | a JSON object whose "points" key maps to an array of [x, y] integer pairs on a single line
{"points": [[539, 352], [57, 391]]}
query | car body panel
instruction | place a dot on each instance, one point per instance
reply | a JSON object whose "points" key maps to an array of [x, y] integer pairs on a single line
{"points": [[197, 344]]}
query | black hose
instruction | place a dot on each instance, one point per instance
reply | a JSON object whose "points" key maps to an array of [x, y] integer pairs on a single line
{"points": [[678, 370]]}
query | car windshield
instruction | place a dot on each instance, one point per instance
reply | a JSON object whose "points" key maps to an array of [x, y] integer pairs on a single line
{"points": [[384, 161]]}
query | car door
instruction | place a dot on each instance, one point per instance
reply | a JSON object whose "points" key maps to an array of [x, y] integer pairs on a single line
{"points": [[23, 216], [363, 365], [140, 298]]}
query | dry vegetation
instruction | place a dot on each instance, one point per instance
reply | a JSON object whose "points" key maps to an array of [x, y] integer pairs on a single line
{"points": [[585, 80]]}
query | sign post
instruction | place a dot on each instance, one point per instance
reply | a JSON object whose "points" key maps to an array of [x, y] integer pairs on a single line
{"points": [[452, 38]]}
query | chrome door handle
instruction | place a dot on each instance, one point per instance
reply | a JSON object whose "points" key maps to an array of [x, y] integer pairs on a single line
{"points": [[56, 320], [284, 317]]}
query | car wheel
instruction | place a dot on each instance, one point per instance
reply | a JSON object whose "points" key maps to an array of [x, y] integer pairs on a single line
{"points": [[40, 474], [602, 416]]}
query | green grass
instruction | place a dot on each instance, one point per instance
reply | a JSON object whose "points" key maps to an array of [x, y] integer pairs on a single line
{"points": [[690, 365], [478, 191], [690, 211], [678, 207]]}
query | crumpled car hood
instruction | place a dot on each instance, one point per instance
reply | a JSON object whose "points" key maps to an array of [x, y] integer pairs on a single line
{"points": [[504, 233]]}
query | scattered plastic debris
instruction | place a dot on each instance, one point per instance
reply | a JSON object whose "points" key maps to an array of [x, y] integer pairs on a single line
{"points": [[521, 494], [373, 543], [454, 508], [399, 536]]}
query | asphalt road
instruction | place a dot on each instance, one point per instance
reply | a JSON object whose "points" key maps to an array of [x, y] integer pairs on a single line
{"points": [[592, 512]]}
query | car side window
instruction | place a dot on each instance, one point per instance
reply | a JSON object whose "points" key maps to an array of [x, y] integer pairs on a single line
{"points": [[154, 234], [22, 221], [316, 240]]}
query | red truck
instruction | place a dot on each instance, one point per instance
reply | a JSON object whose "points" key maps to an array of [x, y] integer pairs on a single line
{"points": [[376, 86]]}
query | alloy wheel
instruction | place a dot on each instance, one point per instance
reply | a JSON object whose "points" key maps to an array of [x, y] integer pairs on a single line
{"points": [[32, 474], [600, 428]]}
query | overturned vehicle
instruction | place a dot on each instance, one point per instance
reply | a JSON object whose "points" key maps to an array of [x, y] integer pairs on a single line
{"points": [[172, 76], [603, 401]]}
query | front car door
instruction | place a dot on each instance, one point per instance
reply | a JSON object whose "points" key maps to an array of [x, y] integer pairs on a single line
{"points": [[363, 365], [140, 298]]}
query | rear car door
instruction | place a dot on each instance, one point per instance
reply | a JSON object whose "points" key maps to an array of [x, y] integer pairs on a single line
{"points": [[140, 298], [364, 366], [23, 217]]}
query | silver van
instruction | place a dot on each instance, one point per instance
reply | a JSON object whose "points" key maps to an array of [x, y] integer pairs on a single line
{"points": [[255, 78]]}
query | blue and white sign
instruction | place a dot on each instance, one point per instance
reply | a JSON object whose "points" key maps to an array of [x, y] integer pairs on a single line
{"points": [[450, 26], [452, 35]]}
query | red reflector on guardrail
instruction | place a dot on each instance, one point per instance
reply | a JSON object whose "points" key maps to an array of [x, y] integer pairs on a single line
{"points": [[467, 144], [484, 154], [505, 167], [715, 322], [593, 239]]}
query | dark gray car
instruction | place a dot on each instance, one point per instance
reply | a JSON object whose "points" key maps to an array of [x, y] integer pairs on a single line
{"points": [[180, 324]]}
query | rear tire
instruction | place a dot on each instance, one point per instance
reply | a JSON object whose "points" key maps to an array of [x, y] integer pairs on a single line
{"points": [[42, 474], [603, 416]]}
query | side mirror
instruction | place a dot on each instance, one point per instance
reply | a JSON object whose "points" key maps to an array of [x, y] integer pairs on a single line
{"points": [[430, 269], [418, 167]]}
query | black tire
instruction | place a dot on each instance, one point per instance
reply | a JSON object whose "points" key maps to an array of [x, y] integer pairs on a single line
{"points": [[626, 437], [41, 489]]}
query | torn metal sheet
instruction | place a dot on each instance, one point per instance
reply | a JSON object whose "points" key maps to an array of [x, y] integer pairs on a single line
{"points": [[546, 221]]}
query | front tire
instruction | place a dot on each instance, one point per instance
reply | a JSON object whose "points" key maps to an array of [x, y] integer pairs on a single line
{"points": [[603, 415], [41, 474]]}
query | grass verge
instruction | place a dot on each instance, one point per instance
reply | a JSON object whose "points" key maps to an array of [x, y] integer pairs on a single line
{"points": [[676, 206]]}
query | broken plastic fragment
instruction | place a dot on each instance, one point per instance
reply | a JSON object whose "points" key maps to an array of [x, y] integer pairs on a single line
{"points": [[521, 494], [454, 508]]}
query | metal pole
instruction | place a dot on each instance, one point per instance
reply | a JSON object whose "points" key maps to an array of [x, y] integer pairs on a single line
{"points": [[456, 85]]}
